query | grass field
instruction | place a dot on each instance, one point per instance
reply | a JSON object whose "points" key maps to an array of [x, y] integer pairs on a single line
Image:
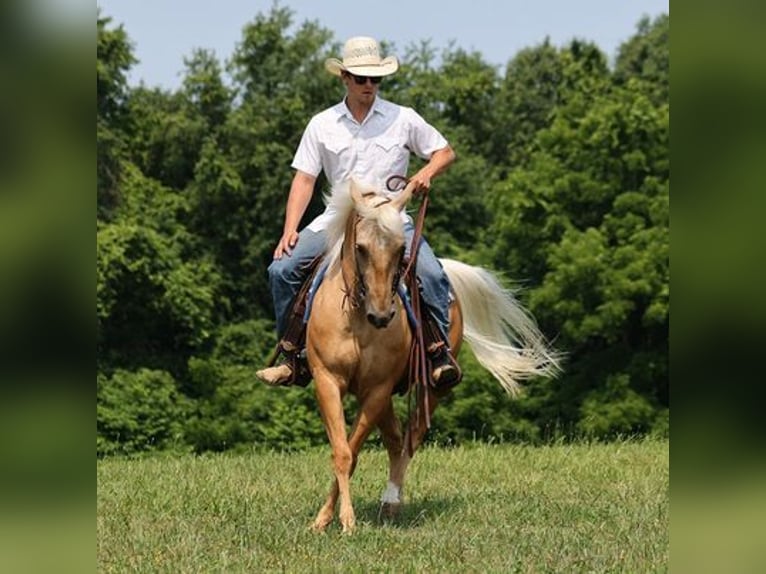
{"points": [[477, 508]]}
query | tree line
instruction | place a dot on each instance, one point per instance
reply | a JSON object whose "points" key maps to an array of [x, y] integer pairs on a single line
{"points": [[561, 185]]}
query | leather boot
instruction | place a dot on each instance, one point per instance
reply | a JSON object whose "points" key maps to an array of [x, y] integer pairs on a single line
{"points": [[293, 369], [446, 372], [277, 376]]}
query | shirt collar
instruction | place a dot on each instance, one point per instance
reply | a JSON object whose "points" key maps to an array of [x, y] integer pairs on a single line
{"points": [[378, 107]]}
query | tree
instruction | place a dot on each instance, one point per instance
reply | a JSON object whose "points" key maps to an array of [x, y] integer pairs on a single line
{"points": [[646, 57], [114, 58], [586, 223], [156, 303], [166, 135], [537, 82], [204, 89]]}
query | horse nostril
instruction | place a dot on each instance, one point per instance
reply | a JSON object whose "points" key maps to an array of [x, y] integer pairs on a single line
{"points": [[377, 321]]}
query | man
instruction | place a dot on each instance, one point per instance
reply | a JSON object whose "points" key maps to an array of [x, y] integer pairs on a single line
{"points": [[369, 139]]}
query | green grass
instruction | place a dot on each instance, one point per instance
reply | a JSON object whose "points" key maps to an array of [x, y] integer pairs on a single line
{"points": [[477, 508]]}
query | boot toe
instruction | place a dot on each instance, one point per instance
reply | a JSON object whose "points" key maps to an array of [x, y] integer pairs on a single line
{"points": [[446, 376], [276, 376]]}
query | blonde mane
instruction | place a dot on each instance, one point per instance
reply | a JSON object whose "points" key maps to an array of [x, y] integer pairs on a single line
{"points": [[375, 208]]}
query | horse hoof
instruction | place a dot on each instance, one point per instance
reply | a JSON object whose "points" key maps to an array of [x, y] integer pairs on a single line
{"points": [[319, 526], [349, 526]]}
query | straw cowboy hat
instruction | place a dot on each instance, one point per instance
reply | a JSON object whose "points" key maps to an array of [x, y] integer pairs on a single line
{"points": [[361, 57]]}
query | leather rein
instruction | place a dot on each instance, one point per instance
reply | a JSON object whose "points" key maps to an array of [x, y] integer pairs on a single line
{"points": [[420, 373]]}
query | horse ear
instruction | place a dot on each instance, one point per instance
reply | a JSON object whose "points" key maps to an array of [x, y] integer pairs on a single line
{"points": [[356, 193], [403, 198], [361, 195]]}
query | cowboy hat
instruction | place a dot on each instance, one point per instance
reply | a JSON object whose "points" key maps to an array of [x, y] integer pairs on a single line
{"points": [[361, 57]]}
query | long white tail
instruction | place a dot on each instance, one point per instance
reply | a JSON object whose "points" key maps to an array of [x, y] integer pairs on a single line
{"points": [[500, 332]]}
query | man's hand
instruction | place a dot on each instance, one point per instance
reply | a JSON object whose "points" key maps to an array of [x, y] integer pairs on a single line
{"points": [[286, 244], [422, 181]]}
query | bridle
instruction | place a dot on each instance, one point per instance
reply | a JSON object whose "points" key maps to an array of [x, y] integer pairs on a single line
{"points": [[354, 288]]}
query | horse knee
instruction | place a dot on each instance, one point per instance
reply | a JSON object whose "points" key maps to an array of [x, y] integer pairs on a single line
{"points": [[343, 460]]}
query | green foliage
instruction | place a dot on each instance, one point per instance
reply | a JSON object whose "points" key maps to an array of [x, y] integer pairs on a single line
{"points": [[479, 409], [152, 305], [139, 411], [239, 410], [530, 91], [166, 136], [561, 186], [615, 410], [247, 343], [585, 222], [113, 59], [204, 88], [233, 408], [646, 56]]}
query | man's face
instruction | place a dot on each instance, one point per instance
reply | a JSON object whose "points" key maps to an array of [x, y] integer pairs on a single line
{"points": [[361, 88]]}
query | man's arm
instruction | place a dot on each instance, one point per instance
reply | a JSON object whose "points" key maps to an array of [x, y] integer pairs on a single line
{"points": [[440, 161], [301, 190]]}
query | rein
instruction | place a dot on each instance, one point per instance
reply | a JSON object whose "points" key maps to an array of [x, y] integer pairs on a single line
{"points": [[420, 374]]}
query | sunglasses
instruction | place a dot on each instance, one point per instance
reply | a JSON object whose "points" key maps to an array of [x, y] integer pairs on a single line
{"points": [[362, 80]]}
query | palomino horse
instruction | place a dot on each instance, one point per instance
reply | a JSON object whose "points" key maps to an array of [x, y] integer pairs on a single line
{"points": [[358, 338]]}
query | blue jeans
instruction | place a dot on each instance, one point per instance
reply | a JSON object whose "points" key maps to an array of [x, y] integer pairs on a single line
{"points": [[286, 276]]}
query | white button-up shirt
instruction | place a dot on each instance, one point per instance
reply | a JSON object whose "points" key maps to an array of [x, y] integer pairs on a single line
{"points": [[370, 152]]}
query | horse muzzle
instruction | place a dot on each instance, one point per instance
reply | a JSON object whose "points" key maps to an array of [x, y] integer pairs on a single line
{"points": [[380, 321]]}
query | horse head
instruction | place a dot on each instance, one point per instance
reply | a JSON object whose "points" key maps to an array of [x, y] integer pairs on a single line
{"points": [[375, 248]]}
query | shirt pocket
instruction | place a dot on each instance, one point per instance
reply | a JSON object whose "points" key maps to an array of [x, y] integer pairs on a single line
{"points": [[337, 147], [387, 145], [392, 152]]}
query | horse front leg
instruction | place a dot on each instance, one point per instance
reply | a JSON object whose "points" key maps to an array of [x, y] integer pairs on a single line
{"points": [[330, 399], [371, 405]]}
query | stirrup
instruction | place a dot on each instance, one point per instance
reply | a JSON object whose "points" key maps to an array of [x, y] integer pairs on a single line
{"points": [[446, 372], [280, 375], [293, 369]]}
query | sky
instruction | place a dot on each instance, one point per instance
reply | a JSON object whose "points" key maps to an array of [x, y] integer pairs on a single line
{"points": [[163, 32]]}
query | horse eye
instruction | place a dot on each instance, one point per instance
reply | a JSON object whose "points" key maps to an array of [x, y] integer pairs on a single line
{"points": [[361, 249]]}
